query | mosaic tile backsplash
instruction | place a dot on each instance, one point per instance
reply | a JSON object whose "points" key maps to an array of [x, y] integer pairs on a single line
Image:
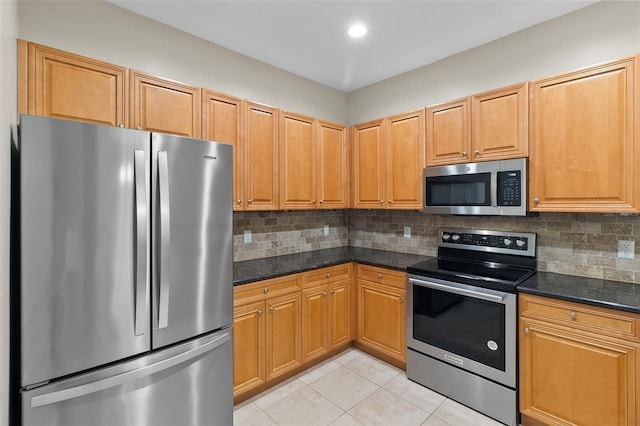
{"points": [[583, 244]]}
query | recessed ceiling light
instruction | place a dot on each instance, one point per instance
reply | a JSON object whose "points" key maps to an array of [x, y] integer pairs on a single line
{"points": [[357, 30]]}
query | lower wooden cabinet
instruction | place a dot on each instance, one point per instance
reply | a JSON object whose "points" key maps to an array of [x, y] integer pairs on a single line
{"points": [[382, 311], [325, 310], [579, 365], [266, 331]]}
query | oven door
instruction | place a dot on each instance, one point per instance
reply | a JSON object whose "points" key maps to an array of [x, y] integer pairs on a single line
{"points": [[470, 327]]}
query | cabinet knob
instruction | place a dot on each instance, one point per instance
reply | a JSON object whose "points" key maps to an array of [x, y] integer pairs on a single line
{"points": [[324, 293], [536, 200], [380, 201], [260, 313], [380, 276], [333, 292], [239, 201], [389, 201], [321, 201], [328, 275], [271, 309], [250, 201], [476, 152], [266, 290], [120, 125], [313, 202], [526, 330], [573, 315], [464, 153], [402, 298], [138, 128]]}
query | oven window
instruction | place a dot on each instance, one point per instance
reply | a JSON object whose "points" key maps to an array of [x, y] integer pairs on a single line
{"points": [[462, 325], [459, 190]]}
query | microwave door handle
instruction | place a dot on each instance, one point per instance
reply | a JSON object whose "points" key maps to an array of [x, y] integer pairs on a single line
{"points": [[494, 189]]}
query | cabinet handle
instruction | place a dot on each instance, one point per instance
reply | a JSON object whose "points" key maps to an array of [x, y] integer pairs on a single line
{"points": [[266, 290], [271, 309], [402, 298], [260, 313], [476, 152], [250, 201], [333, 292], [526, 330], [573, 315], [324, 293], [536, 200], [328, 275], [464, 153], [379, 276]]}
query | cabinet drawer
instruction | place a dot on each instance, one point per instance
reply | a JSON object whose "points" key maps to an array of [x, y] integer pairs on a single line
{"points": [[382, 275], [580, 316], [326, 275], [267, 288]]}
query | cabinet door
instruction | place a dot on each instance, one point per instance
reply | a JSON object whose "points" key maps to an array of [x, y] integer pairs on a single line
{"points": [[297, 162], [314, 322], [248, 347], [449, 133], [261, 157], [58, 84], [164, 106], [568, 378], [381, 318], [405, 155], [583, 146], [283, 334], [339, 313], [332, 170], [368, 165], [222, 122], [500, 123]]}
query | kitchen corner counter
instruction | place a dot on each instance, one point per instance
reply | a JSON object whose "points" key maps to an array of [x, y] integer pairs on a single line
{"points": [[270, 267], [598, 292]]}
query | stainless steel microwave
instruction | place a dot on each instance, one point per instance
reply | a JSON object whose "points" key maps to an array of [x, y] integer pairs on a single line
{"points": [[484, 188]]}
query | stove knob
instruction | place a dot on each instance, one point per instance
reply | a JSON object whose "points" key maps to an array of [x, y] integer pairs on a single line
{"points": [[455, 238], [507, 242], [520, 243], [446, 237]]}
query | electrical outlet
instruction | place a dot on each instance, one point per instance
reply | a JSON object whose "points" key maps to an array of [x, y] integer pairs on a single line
{"points": [[247, 236], [626, 249], [326, 230], [407, 232]]}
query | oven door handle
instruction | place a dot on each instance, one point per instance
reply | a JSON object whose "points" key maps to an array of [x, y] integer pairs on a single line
{"points": [[497, 298]]}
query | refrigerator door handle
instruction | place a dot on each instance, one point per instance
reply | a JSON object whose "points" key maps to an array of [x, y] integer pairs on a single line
{"points": [[165, 239], [141, 214], [120, 379]]}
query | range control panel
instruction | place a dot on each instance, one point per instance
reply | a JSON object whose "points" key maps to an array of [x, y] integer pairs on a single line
{"points": [[519, 243]]}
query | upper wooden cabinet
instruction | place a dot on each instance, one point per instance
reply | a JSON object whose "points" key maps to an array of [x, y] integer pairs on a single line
{"points": [[331, 166], [488, 126], [388, 158], [58, 84], [222, 121], [261, 157], [584, 149], [313, 164], [161, 105]]}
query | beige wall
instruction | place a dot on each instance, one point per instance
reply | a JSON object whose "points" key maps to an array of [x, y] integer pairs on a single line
{"points": [[103, 31], [600, 32], [8, 21]]}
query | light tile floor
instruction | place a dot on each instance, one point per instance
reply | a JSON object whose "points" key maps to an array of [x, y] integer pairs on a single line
{"points": [[354, 388]]}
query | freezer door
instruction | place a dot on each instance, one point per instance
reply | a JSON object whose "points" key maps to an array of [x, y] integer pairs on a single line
{"points": [[189, 384], [84, 246], [192, 238]]}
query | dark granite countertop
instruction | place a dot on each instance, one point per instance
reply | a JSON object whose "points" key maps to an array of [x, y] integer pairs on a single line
{"points": [[270, 267], [608, 294]]}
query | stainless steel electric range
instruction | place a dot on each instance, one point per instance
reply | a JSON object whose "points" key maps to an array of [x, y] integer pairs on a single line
{"points": [[462, 318]]}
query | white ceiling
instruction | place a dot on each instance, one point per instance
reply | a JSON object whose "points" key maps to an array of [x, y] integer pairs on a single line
{"points": [[308, 37]]}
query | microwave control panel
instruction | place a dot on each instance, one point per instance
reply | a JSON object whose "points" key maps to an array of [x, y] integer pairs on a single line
{"points": [[509, 188]]}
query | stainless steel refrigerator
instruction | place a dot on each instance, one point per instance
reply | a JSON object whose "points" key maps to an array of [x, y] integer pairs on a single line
{"points": [[125, 277]]}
